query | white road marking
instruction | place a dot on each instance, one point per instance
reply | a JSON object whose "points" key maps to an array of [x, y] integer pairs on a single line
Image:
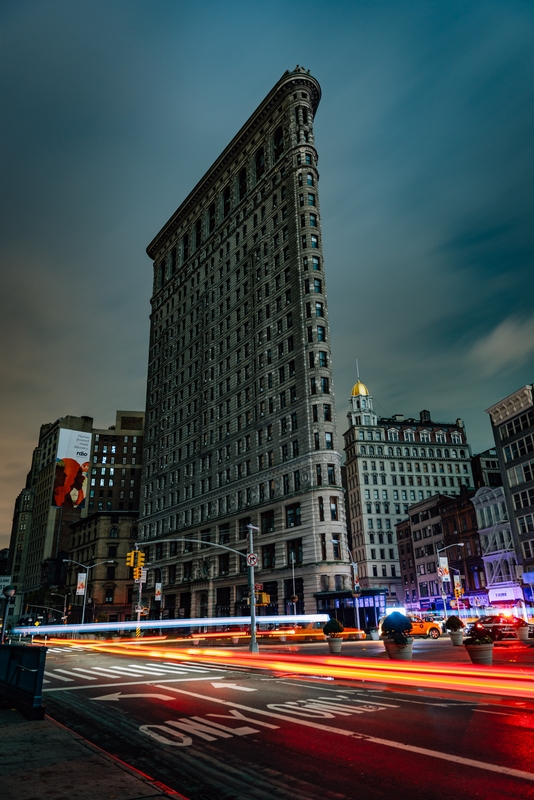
{"points": [[118, 671], [498, 713], [59, 677], [116, 696], [150, 682], [76, 674], [234, 686], [149, 669], [468, 762]]}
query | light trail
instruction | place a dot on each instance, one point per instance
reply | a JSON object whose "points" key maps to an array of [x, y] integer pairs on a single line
{"points": [[197, 622], [507, 681]]}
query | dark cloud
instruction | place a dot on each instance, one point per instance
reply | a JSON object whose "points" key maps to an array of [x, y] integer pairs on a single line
{"points": [[115, 110]]}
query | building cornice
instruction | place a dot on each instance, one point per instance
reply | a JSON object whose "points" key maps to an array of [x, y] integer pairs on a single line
{"points": [[511, 405]]}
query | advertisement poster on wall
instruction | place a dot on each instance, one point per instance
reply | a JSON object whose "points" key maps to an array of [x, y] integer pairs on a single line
{"points": [[72, 468]]}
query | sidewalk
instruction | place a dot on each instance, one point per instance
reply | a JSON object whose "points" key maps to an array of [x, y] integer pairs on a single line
{"points": [[45, 761]]}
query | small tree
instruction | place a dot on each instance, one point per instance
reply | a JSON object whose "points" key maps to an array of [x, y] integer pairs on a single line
{"points": [[333, 629], [396, 627], [454, 623]]}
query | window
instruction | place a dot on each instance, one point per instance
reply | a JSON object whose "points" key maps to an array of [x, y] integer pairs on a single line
{"points": [[224, 564], [321, 333], [268, 556], [267, 522], [325, 385], [109, 593], [293, 516], [332, 474], [333, 508], [226, 203], [294, 552], [309, 179], [329, 441], [242, 181], [327, 412], [314, 241], [260, 163], [279, 143]]}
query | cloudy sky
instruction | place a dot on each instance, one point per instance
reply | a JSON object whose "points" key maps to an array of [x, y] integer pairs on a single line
{"points": [[113, 109]]}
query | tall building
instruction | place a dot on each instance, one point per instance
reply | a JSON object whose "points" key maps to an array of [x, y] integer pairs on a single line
{"points": [[391, 464], [512, 421], [53, 498], [109, 529], [501, 564], [240, 407], [76, 471]]}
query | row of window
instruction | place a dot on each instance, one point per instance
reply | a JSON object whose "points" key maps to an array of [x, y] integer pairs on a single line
{"points": [[521, 423], [406, 453], [519, 448], [523, 499]]}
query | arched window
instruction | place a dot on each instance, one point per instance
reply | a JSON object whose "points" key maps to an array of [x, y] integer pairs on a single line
{"points": [[211, 217], [278, 142], [438, 452], [431, 452], [406, 452], [398, 452], [414, 451], [422, 452], [379, 451], [446, 454], [309, 179], [226, 201], [242, 183], [362, 449], [371, 450], [260, 163], [390, 451]]}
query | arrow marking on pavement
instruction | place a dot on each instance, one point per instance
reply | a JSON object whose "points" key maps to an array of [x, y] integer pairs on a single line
{"points": [[116, 696], [233, 686]]}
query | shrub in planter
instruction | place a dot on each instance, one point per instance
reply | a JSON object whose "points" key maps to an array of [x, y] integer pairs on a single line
{"points": [[454, 623], [522, 630], [396, 627], [333, 629]]}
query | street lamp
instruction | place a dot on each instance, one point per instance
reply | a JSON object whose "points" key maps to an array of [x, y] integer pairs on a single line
{"points": [[442, 550], [86, 567], [9, 592]]}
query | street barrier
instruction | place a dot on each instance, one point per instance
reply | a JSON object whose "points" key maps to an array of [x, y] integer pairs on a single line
{"points": [[21, 679]]}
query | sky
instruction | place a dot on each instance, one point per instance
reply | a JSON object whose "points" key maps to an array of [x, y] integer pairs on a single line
{"points": [[114, 109]]}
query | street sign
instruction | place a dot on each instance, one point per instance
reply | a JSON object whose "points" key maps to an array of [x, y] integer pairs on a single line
{"points": [[5, 580], [258, 587], [142, 578], [252, 560]]}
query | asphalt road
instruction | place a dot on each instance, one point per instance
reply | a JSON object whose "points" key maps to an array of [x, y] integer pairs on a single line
{"points": [[219, 734]]}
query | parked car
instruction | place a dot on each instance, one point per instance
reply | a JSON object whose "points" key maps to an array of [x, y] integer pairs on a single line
{"points": [[498, 626], [310, 632], [426, 627]]}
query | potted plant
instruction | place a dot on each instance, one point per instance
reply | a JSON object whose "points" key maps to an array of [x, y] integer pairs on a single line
{"points": [[479, 645], [333, 630], [395, 630], [522, 630], [455, 627], [374, 633]]}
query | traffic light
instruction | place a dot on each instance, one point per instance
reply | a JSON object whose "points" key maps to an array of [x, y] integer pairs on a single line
{"points": [[141, 558], [138, 572], [458, 593], [130, 558]]}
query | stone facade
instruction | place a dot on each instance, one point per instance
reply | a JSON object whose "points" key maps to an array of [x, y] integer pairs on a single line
{"points": [[240, 403], [391, 464]]}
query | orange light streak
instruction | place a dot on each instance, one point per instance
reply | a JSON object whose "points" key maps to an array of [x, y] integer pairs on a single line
{"points": [[508, 681]]}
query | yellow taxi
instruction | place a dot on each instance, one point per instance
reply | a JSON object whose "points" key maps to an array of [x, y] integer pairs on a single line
{"points": [[428, 628]]}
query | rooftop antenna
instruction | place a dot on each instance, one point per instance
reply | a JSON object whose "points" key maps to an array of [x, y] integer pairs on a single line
{"points": [[357, 370]]}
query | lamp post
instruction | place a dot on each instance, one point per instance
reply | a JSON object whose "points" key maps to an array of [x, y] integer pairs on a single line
{"points": [[251, 560], [8, 592], [86, 567], [64, 596], [442, 550]]}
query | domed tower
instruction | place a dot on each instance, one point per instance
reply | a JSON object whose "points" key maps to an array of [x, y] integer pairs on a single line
{"points": [[361, 406]]}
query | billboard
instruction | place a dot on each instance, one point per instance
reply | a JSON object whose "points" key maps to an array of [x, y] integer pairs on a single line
{"points": [[72, 468]]}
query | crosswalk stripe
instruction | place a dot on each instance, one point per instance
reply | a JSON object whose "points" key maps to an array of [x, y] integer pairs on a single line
{"points": [[76, 674], [59, 677]]}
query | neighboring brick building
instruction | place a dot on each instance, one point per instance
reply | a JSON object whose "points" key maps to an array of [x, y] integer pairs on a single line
{"points": [[240, 405], [486, 470]]}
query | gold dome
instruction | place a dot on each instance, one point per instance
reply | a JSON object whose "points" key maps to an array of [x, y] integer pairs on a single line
{"points": [[359, 389]]}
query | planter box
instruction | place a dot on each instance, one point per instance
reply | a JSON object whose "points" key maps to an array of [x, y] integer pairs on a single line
{"points": [[457, 637], [399, 652], [375, 636], [523, 634], [334, 645], [480, 653]]}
